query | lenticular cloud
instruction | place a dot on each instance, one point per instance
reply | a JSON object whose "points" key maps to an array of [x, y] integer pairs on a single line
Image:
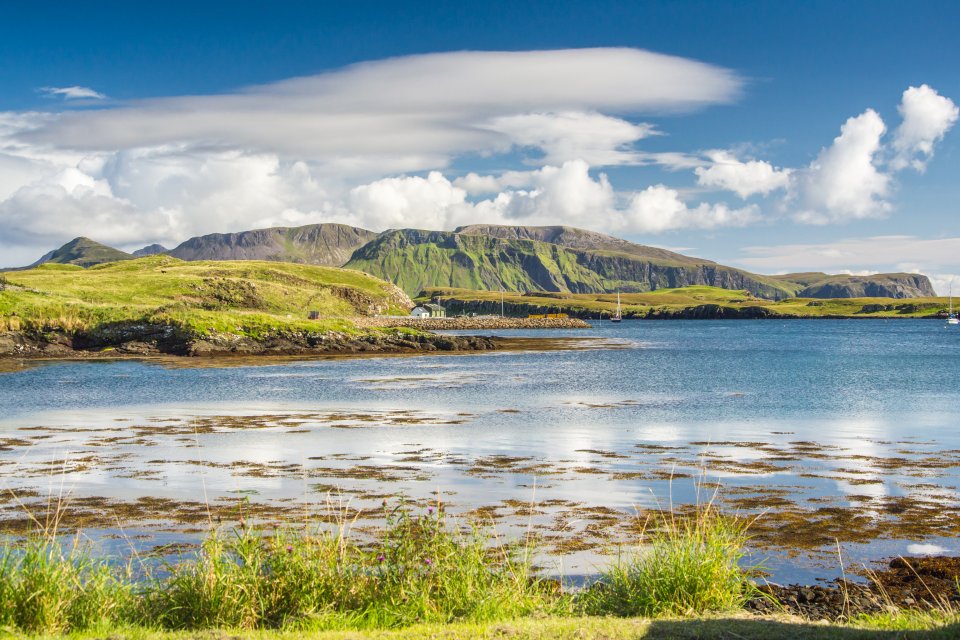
{"points": [[428, 104]]}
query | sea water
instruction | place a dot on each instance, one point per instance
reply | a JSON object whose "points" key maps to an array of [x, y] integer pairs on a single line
{"points": [[853, 414]]}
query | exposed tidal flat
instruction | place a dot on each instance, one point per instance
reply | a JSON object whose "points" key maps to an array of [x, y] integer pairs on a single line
{"points": [[824, 434]]}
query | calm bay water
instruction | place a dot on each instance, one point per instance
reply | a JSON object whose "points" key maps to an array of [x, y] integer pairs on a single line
{"points": [[858, 415]]}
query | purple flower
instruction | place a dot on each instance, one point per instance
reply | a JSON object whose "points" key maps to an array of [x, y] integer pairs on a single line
{"points": [[380, 558], [289, 548], [427, 561], [430, 510]]}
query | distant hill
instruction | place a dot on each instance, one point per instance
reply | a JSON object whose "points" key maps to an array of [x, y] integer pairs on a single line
{"points": [[83, 252], [480, 257], [322, 244], [877, 285], [684, 303], [149, 250], [467, 259]]}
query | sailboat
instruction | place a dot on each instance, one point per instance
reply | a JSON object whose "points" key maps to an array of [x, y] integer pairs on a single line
{"points": [[952, 317], [618, 316]]}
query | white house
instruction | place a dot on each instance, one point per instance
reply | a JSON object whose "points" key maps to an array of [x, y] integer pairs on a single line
{"points": [[429, 310]]}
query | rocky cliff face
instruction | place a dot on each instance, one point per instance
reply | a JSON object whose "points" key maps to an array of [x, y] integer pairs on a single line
{"points": [[323, 244], [879, 285], [415, 260], [577, 239]]}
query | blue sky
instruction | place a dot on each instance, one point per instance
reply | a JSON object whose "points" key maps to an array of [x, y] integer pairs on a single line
{"points": [[705, 126]]}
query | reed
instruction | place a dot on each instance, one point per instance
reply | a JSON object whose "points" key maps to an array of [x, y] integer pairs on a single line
{"points": [[421, 569], [51, 586], [684, 565]]}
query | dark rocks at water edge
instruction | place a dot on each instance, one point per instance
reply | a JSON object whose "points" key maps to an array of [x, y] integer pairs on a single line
{"points": [[920, 584], [141, 339]]}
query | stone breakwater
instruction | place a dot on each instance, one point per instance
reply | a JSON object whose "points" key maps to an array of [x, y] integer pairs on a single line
{"points": [[471, 324]]}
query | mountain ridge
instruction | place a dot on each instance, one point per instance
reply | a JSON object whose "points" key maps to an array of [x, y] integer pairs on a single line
{"points": [[325, 244], [554, 258]]}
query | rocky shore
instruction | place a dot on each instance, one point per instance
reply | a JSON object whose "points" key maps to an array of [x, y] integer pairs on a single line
{"points": [[923, 584], [138, 339], [471, 324]]}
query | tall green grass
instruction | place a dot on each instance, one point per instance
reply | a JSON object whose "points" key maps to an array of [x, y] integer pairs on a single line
{"points": [[418, 569], [684, 565], [47, 585], [421, 569]]}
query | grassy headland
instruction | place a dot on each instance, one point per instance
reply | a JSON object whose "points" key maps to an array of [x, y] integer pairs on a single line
{"points": [[165, 304], [685, 302]]}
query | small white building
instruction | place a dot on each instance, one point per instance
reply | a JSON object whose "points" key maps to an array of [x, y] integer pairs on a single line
{"points": [[429, 310]]}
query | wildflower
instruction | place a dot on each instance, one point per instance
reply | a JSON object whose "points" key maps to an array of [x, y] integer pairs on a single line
{"points": [[289, 548], [381, 558], [427, 561], [430, 511]]}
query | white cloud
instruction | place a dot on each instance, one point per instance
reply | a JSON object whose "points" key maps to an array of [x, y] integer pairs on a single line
{"points": [[659, 208], [73, 93], [554, 195], [565, 194], [571, 135], [559, 195], [743, 178], [476, 184], [427, 105], [844, 183], [428, 203], [927, 116], [294, 152], [943, 283]]}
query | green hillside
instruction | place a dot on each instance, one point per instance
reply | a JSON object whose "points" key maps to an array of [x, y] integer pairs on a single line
{"points": [[245, 298], [83, 252], [685, 302], [514, 258], [415, 260]]}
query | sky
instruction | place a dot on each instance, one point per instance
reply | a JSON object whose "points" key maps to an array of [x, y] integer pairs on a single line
{"points": [[772, 136]]}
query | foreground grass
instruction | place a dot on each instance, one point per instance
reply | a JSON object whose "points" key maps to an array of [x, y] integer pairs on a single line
{"points": [[243, 297], [580, 628], [686, 565], [666, 301], [418, 569], [421, 577]]}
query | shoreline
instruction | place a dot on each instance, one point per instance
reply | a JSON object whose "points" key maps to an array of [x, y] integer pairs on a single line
{"points": [[10, 363], [469, 324]]}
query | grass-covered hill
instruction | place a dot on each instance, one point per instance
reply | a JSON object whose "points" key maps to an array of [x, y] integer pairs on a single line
{"points": [[198, 298], [516, 258], [83, 252], [415, 260], [686, 302]]}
